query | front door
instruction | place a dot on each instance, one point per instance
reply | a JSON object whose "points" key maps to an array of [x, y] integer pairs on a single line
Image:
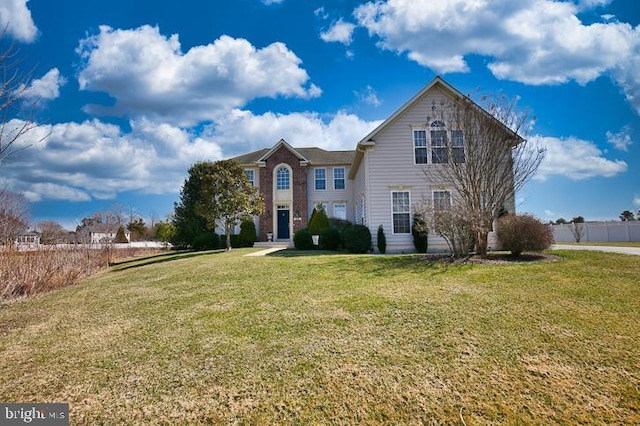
{"points": [[283, 224]]}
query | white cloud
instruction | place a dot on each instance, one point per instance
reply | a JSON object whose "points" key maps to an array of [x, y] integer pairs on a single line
{"points": [[96, 160], [148, 75], [621, 140], [636, 200], [340, 32], [530, 41], [45, 88], [242, 131], [368, 96], [591, 4], [270, 2], [15, 16], [576, 159]]}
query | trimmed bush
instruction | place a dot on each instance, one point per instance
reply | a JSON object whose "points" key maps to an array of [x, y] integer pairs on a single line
{"points": [[236, 242], [302, 240], [329, 239], [357, 239], [420, 234], [248, 234], [318, 222], [120, 236], [523, 232], [206, 241], [382, 240]]}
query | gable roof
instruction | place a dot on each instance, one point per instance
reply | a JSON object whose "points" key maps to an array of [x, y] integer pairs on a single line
{"points": [[369, 140], [317, 156]]}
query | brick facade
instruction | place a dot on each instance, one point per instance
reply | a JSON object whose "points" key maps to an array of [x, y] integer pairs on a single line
{"points": [[298, 206]]}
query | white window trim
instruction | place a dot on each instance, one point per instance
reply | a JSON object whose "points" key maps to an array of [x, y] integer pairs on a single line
{"points": [[344, 178], [341, 203], [413, 144], [275, 177], [393, 231], [252, 179], [315, 179]]}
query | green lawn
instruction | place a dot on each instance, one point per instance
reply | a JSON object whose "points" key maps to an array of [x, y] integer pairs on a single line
{"points": [[215, 337]]}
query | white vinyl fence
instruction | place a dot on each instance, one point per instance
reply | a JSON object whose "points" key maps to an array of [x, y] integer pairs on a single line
{"points": [[599, 232]]}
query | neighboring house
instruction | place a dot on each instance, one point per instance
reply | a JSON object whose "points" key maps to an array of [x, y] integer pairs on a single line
{"points": [[376, 184], [102, 233], [29, 239]]}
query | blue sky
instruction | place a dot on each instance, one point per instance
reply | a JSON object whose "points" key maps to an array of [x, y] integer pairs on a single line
{"points": [[132, 92]]}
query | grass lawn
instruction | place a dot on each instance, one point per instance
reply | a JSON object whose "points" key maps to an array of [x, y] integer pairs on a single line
{"points": [[607, 244], [215, 337]]}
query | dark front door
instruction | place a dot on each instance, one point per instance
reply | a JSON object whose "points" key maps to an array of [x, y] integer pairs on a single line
{"points": [[283, 224]]}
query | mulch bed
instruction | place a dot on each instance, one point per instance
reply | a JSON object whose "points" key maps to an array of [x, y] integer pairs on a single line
{"points": [[491, 258]]}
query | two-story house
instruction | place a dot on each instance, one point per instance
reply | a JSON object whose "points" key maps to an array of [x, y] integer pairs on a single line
{"points": [[376, 184]]}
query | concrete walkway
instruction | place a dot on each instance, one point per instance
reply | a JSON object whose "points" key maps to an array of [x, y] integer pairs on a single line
{"points": [[624, 250], [265, 251]]}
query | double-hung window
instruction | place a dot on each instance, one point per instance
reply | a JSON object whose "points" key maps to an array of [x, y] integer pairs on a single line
{"points": [[420, 146], [251, 176], [321, 179], [338, 178], [340, 211], [282, 178], [439, 150], [401, 210], [457, 146]]}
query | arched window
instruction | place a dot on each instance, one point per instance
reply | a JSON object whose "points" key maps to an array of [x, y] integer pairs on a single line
{"points": [[282, 178]]}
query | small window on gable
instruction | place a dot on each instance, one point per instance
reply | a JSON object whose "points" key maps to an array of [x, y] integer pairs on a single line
{"points": [[338, 178], [321, 179], [439, 149], [282, 178], [420, 146], [457, 146]]}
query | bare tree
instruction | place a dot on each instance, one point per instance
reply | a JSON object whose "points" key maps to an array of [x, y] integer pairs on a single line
{"points": [[482, 153], [448, 221], [16, 112], [14, 211], [52, 232]]}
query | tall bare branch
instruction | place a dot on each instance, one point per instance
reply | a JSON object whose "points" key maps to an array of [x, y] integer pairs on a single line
{"points": [[498, 160]]}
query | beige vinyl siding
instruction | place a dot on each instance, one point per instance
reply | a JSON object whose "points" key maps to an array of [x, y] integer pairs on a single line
{"points": [[392, 168], [329, 196]]}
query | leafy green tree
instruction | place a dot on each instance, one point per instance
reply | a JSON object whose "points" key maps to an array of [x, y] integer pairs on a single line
{"points": [[138, 229], [187, 221], [164, 231], [561, 221], [577, 219], [626, 215], [219, 194]]}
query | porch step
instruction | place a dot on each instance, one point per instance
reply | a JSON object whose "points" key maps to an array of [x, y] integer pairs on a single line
{"points": [[273, 244]]}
